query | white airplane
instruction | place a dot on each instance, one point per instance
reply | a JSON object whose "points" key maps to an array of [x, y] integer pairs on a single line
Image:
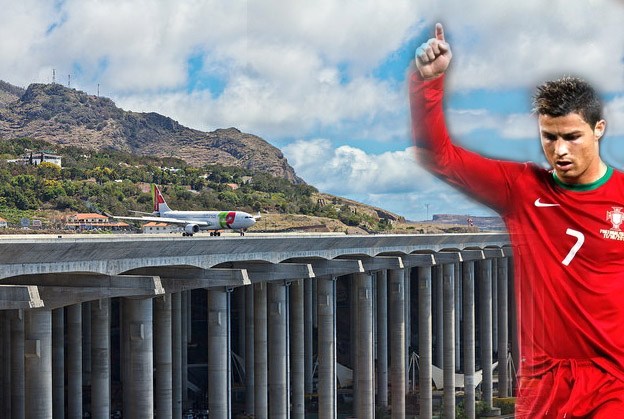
{"points": [[195, 221]]}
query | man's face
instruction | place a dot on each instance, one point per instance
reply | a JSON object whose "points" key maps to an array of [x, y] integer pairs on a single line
{"points": [[570, 145]]}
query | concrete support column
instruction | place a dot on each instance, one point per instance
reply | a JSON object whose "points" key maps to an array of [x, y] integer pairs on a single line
{"points": [[278, 351], [314, 304], [185, 341], [100, 359], [17, 365], [354, 334], [176, 354], [308, 336], [238, 297], [408, 323], [374, 313], [4, 404], [365, 407], [438, 318], [138, 392], [163, 360], [261, 394], [326, 311], [503, 331], [495, 305], [58, 362], [297, 355], [3, 385], [469, 338], [189, 316], [38, 363], [123, 353], [5, 368], [396, 279], [425, 398], [382, 338], [485, 305], [218, 353], [86, 343], [249, 349], [449, 339], [74, 361], [458, 314], [513, 321]]}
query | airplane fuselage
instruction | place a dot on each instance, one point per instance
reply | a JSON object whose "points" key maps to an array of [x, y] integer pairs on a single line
{"points": [[215, 220]]}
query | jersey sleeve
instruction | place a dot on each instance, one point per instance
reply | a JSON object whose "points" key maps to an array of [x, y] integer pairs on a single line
{"points": [[488, 181]]}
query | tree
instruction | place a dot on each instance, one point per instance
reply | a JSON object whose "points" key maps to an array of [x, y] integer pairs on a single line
{"points": [[48, 170]]}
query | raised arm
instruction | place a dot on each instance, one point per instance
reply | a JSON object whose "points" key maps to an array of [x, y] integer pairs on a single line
{"points": [[488, 181]]}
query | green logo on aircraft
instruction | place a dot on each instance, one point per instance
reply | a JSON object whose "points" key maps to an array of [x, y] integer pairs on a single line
{"points": [[226, 219]]}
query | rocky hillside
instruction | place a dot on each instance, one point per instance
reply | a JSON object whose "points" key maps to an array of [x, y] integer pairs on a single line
{"points": [[65, 116]]}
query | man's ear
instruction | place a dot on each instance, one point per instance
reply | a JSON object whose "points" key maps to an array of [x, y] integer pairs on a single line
{"points": [[600, 128]]}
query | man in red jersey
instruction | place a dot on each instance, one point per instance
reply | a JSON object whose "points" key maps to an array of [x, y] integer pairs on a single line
{"points": [[565, 228]]}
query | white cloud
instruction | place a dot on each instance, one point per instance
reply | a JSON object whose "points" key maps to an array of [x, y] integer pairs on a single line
{"points": [[368, 108], [350, 170], [612, 150], [391, 180], [614, 115], [506, 126], [292, 67], [23, 27], [358, 32], [523, 43]]}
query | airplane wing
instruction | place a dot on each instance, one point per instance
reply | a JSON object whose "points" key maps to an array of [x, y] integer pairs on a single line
{"points": [[166, 220], [141, 212]]}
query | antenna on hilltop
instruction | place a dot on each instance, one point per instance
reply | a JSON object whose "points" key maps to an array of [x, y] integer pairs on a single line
{"points": [[98, 92], [69, 80], [53, 76]]}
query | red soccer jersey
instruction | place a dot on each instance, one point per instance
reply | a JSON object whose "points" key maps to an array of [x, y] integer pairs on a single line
{"points": [[568, 244]]}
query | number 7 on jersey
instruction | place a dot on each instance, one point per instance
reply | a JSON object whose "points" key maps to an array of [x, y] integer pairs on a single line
{"points": [[580, 239]]}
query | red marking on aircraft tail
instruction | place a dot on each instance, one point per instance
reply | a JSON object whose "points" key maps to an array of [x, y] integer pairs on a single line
{"points": [[158, 199]]}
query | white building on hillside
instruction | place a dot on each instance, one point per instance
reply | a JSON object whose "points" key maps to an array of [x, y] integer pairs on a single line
{"points": [[40, 157], [37, 158]]}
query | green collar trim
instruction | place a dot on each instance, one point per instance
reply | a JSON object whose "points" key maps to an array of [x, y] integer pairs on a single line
{"points": [[586, 187]]}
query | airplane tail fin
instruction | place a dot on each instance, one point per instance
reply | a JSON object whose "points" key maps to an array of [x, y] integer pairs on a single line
{"points": [[257, 216], [160, 205]]}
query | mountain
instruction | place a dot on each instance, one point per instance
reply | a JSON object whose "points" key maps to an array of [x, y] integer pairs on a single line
{"points": [[66, 116]]}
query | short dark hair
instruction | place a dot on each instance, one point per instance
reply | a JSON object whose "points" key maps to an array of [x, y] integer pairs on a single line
{"points": [[566, 95]]}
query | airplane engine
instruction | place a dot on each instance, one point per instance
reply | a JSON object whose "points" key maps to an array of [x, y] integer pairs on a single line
{"points": [[191, 229]]}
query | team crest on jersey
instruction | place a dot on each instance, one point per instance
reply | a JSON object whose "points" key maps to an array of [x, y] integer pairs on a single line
{"points": [[616, 217]]}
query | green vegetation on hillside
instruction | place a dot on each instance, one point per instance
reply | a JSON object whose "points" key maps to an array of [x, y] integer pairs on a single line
{"points": [[108, 181]]}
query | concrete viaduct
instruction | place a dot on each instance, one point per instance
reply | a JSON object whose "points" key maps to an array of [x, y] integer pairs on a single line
{"points": [[61, 296]]}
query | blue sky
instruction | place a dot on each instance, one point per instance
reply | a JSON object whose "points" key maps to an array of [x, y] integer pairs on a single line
{"points": [[325, 81]]}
